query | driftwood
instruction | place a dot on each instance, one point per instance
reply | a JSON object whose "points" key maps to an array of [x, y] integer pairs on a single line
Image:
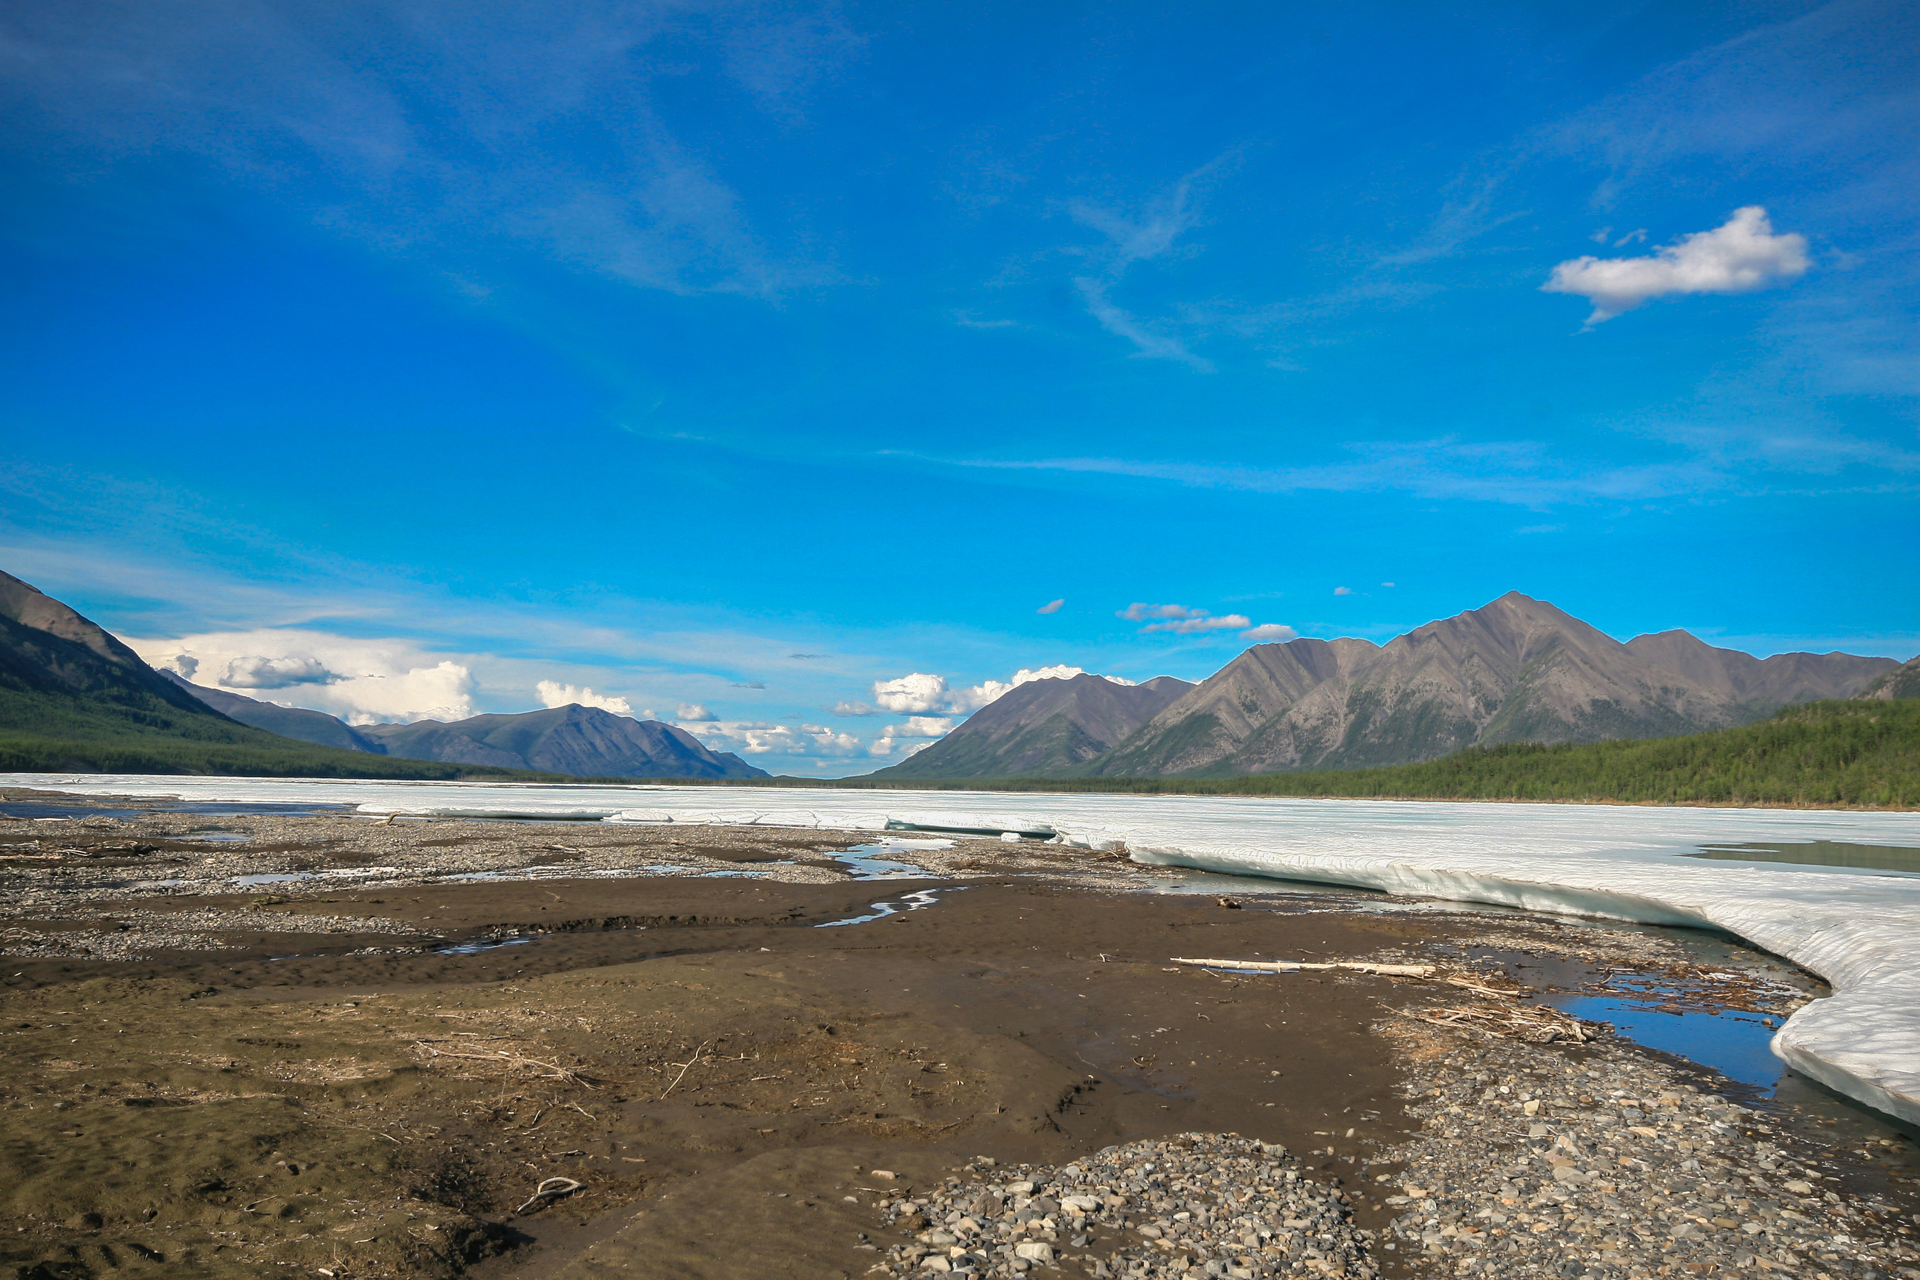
{"points": [[1536, 1024], [551, 1189], [1291, 966], [514, 1060]]}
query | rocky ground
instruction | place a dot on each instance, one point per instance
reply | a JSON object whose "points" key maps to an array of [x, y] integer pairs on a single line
{"points": [[369, 1068]]}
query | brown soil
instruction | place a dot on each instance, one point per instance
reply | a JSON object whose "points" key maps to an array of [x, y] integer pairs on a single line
{"points": [[721, 1076]]}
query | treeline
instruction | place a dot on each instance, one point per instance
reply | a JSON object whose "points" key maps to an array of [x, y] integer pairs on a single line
{"points": [[43, 732], [1818, 755]]}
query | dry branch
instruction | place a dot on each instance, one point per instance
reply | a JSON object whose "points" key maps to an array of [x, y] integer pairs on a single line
{"points": [[1534, 1024], [1292, 966]]}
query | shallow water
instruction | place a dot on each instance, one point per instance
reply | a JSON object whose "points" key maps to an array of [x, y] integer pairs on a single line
{"points": [[918, 900], [1730, 1042], [1820, 853]]}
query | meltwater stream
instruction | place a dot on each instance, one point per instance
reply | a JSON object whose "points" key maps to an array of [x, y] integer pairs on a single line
{"points": [[1856, 926]]}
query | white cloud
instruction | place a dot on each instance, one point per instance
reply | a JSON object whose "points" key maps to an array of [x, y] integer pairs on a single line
{"points": [[1180, 620], [373, 680], [1268, 631], [554, 694], [692, 713], [257, 672], [917, 691], [1190, 626], [1138, 612], [921, 693], [759, 738], [845, 708], [927, 729], [1343, 591], [1052, 606], [1739, 257]]}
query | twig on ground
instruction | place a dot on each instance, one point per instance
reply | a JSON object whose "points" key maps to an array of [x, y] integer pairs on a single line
{"points": [[551, 1189], [684, 1067], [1291, 966]]}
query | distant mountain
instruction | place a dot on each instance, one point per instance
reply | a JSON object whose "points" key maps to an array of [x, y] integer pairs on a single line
{"points": [[1516, 670], [583, 741], [1763, 685], [1041, 727], [1901, 682], [289, 722]]}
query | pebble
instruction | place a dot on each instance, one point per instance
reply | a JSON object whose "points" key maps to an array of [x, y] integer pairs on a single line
{"points": [[1198, 1205], [1534, 1162]]}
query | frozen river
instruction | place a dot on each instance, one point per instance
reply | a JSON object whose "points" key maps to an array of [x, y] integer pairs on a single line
{"points": [[1764, 875]]}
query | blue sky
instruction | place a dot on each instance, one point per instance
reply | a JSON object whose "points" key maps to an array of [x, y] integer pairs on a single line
{"points": [[733, 361]]}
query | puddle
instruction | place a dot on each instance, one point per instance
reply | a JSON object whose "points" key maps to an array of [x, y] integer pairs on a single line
{"points": [[37, 809], [218, 837], [918, 900], [1730, 1042], [870, 861], [342, 873], [1818, 853], [478, 945]]}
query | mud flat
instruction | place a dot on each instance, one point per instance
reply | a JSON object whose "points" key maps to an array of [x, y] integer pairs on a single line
{"points": [[255, 1044]]}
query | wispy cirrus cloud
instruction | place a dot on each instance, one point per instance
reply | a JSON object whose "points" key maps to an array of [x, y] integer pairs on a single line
{"points": [[1146, 232], [1521, 472], [415, 130]]}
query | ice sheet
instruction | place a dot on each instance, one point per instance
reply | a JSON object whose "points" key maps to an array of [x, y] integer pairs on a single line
{"points": [[1860, 930]]}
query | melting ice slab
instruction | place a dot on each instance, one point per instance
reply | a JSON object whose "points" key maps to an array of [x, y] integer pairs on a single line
{"points": [[1858, 930]]}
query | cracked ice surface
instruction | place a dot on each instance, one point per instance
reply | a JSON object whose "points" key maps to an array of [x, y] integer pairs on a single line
{"points": [[1859, 930]]}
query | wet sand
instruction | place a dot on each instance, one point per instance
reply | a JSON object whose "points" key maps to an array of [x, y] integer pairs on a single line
{"points": [[370, 1075]]}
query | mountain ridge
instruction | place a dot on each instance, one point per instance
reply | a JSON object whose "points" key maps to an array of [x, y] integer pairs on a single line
{"points": [[1042, 726], [1515, 670], [571, 739]]}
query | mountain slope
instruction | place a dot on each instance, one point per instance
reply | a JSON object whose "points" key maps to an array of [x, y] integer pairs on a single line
{"points": [[1901, 682], [1214, 718], [297, 723], [1765, 684], [58, 669], [74, 699], [1515, 670], [582, 741], [1041, 727]]}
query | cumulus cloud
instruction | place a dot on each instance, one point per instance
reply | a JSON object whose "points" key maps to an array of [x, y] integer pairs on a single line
{"points": [[1270, 631], [692, 713], [554, 694], [759, 738], [1051, 606], [1343, 591], [920, 692], [927, 729], [365, 681], [1739, 257], [257, 672], [845, 708]]}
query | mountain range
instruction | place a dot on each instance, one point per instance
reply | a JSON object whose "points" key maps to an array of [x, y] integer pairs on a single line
{"points": [[1516, 670], [585, 742], [73, 697]]}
